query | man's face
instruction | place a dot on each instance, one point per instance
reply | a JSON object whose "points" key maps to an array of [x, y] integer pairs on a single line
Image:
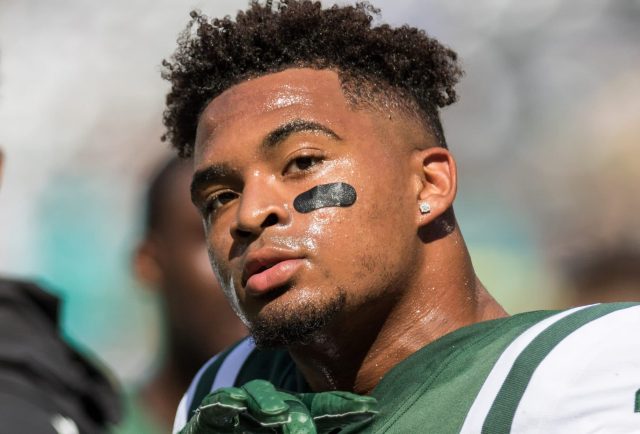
{"points": [[294, 274]]}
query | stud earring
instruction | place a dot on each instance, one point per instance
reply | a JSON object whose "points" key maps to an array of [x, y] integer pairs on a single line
{"points": [[425, 208]]}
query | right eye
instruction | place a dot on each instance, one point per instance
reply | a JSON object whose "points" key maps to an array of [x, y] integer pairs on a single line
{"points": [[218, 200], [302, 164]]}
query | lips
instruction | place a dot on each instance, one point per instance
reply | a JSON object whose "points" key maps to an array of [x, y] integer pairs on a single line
{"points": [[268, 269]]}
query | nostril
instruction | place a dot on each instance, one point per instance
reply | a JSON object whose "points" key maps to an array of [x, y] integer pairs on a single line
{"points": [[271, 220], [242, 233]]}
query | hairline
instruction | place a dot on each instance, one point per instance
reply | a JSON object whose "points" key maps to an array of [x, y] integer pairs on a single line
{"points": [[382, 97]]}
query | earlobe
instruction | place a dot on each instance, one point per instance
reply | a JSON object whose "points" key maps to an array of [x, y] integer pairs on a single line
{"points": [[438, 183], [145, 264]]}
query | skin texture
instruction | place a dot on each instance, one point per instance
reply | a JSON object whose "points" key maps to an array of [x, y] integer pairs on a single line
{"points": [[382, 279], [172, 261]]}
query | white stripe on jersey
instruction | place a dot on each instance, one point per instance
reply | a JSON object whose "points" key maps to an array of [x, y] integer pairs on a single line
{"points": [[181, 415], [225, 377], [588, 382], [482, 404], [230, 368]]}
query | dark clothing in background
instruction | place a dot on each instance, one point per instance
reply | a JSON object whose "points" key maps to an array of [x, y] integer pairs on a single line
{"points": [[46, 387]]}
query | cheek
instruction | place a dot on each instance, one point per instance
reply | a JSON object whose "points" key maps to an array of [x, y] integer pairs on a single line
{"points": [[333, 237], [366, 214], [218, 252], [320, 228], [370, 236]]}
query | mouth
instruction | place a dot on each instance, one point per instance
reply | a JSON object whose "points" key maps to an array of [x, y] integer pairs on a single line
{"points": [[267, 270]]}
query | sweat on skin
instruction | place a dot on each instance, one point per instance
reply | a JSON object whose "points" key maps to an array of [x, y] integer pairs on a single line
{"points": [[371, 298]]}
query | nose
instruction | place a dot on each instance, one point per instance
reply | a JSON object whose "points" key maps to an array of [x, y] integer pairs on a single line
{"points": [[260, 207]]}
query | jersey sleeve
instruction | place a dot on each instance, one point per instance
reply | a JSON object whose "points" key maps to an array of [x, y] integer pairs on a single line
{"points": [[577, 371], [589, 382]]}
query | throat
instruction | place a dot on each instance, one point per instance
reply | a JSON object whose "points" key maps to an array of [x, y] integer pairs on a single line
{"points": [[355, 357], [352, 357]]}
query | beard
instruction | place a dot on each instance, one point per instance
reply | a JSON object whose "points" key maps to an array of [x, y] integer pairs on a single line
{"points": [[295, 323]]}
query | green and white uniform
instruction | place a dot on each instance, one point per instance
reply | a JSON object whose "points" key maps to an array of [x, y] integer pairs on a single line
{"points": [[574, 371]]}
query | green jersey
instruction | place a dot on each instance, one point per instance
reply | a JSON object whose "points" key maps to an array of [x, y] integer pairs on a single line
{"points": [[572, 371]]}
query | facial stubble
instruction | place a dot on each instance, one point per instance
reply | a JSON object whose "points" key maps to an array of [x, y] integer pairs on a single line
{"points": [[296, 322]]}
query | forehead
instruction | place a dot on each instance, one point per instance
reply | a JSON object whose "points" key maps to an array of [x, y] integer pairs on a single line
{"points": [[257, 104]]}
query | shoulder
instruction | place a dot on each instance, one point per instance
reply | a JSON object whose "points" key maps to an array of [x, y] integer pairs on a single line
{"points": [[517, 372], [235, 366], [579, 368], [590, 378], [43, 378], [446, 375]]}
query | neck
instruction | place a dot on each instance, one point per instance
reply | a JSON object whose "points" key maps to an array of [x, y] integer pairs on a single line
{"points": [[161, 395], [445, 296]]}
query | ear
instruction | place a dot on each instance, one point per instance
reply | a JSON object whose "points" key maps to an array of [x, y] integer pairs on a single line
{"points": [[437, 184], [145, 264]]}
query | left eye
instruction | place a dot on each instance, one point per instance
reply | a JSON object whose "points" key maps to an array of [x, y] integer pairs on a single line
{"points": [[301, 164]]}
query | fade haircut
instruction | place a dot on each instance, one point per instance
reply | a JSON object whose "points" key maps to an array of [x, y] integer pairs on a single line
{"points": [[379, 66]]}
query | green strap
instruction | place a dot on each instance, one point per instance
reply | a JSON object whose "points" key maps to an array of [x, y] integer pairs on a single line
{"points": [[637, 408], [502, 411]]}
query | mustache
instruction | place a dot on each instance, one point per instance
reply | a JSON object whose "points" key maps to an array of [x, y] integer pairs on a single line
{"points": [[296, 243]]}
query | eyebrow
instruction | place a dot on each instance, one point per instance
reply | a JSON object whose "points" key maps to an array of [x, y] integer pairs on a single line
{"points": [[281, 133], [207, 176], [210, 175]]}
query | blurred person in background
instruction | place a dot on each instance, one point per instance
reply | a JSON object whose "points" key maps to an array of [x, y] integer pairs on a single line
{"points": [[603, 274], [171, 260], [591, 233], [46, 386]]}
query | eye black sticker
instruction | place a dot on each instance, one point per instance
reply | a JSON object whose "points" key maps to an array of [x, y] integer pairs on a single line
{"points": [[326, 195]]}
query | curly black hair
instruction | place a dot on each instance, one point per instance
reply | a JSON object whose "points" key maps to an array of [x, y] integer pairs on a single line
{"points": [[403, 64]]}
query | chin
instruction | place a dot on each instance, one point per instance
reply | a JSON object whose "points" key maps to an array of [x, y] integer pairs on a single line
{"points": [[295, 320]]}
